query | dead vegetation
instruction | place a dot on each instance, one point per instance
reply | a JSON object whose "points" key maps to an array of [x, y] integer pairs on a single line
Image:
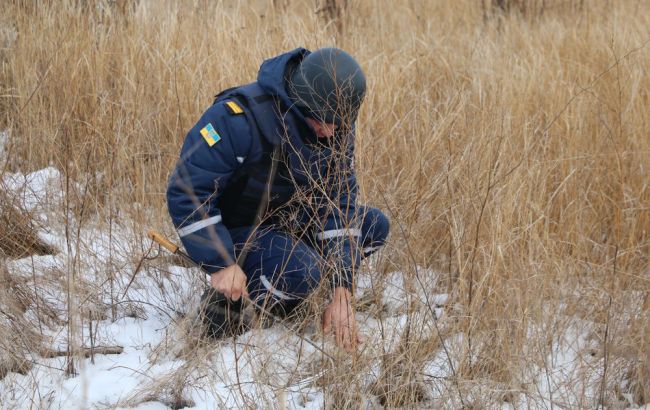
{"points": [[18, 236], [20, 339], [510, 153]]}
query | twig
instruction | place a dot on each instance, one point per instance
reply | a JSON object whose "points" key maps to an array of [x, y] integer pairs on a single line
{"points": [[605, 342], [85, 351], [137, 268], [90, 335]]}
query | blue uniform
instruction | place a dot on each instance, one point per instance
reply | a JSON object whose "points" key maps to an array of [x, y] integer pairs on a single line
{"points": [[252, 144]]}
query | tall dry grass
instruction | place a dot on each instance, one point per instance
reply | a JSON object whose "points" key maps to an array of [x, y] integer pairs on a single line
{"points": [[510, 151]]}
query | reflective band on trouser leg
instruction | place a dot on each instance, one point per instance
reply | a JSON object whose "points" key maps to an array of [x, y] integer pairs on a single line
{"points": [[197, 226], [370, 249], [337, 233], [273, 290]]}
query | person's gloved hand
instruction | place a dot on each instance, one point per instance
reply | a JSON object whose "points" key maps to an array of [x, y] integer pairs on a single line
{"points": [[230, 281], [339, 317]]}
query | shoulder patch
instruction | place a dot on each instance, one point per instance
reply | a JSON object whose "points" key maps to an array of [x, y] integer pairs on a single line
{"points": [[234, 107], [210, 135]]}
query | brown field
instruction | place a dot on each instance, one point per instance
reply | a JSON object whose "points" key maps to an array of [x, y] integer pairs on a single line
{"points": [[511, 150]]}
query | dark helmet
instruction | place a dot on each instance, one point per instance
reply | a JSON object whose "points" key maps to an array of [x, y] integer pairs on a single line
{"points": [[328, 85]]}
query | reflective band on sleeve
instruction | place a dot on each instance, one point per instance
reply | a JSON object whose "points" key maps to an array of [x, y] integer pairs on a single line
{"points": [[197, 226], [273, 290], [336, 233]]}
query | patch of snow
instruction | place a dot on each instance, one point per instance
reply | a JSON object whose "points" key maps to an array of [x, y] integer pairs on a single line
{"points": [[569, 378], [269, 368], [146, 406], [37, 191], [396, 291], [149, 302]]}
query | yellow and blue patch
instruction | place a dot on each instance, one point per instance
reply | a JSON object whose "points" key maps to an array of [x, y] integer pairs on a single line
{"points": [[210, 135]]}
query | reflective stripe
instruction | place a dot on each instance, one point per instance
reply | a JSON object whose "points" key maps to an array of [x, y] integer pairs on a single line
{"points": [[241, 159], [370, 249], [335, 233], [196, 226], [273, 290]]}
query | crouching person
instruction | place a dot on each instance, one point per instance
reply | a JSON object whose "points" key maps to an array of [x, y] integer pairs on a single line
{"points": [[264, 192]]}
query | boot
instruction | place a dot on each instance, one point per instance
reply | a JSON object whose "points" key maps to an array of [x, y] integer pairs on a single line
{"points": [[222, 317]]}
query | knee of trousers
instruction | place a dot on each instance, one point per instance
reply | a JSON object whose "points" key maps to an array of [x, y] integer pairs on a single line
{"points": [[303, 279], [375, 228], [290, 282]]}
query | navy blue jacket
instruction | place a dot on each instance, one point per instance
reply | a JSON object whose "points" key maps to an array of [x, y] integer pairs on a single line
{"points": [[224, 167]]}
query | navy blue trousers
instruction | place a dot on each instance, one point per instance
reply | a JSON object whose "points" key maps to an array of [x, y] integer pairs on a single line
{"points": [[284, 270]]}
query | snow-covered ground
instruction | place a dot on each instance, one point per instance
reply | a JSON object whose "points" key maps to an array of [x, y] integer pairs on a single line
{"points": [[160, 366]]}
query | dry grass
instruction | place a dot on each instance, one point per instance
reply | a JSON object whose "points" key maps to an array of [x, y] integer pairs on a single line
{"points": [[509, 149], [18, 238], [20, 339]]}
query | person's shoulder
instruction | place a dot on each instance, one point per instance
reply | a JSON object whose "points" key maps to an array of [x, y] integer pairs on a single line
{"points": [[227, 111], [221, 131], [228, 117]]}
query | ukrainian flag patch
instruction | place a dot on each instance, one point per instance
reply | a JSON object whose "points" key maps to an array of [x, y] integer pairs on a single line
{"points": [[210, 135]]}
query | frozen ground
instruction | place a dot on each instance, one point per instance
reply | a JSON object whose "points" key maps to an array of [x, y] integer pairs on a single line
{"points": [[140, 311]]}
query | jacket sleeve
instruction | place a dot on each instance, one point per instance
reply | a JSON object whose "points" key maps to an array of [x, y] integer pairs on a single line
{"points": [[339, 233], [213, 149]]}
